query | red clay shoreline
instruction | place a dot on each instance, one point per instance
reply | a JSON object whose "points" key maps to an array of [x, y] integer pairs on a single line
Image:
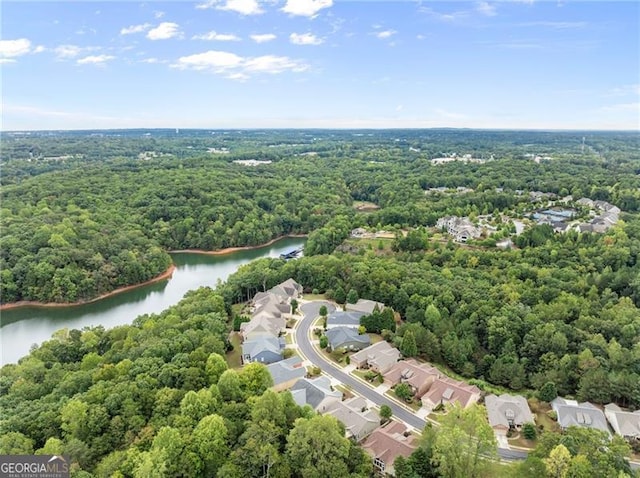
{"points": [[230, 250], [165, 275]]}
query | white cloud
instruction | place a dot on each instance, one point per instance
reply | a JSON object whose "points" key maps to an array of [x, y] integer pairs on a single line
{"points": [[273, 64], [449, 115], [39, 49], [135, 29], [625, 90], [306, 8], [243, 7], [152, 61], [164, 31], [95, 59], [158, 14], [5, 61], [486, 9], [305, 39], [210, 60], [237, 67], [263, 37], [556, 25], [68, 51], [386, 34], [212, 35], [13, 48]]}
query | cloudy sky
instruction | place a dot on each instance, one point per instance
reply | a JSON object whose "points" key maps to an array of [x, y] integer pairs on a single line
{"points": [[320, 63]]}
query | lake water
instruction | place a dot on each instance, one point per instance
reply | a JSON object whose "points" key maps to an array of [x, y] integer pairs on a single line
{"points": [[21, 328]]}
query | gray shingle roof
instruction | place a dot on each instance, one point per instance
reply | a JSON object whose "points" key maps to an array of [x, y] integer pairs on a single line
{"points": [[286, 370], [338, 336], [508, 407], [349, 319], [571, 413], [316, 390]]}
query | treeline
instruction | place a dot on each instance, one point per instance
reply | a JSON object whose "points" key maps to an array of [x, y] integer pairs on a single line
{"points": [[566, 311], [156, 398], [74, 229]]}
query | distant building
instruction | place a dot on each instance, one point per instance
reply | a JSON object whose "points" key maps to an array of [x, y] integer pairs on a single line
{"points": [[264, 349], [419, 376], [286, 372], [461, 228], [446, 390], [317, 393], [341, 318], [347, 338], [364, 306], [358, 422]]}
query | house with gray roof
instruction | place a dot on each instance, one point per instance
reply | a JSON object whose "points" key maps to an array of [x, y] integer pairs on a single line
{"points": [[341, 318], [365, 306], [317, 393], [358, 424], [346, 338], [573, 414], [288, 290], [262, 348], [378, 357], [286, 372], [625, 424], [507, 411]]}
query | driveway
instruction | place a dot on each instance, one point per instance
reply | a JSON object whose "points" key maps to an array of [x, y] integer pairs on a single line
{"points": [[310, 311]]}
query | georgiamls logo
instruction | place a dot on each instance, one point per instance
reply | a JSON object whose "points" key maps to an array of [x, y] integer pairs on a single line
{"points": [[33, 466]]}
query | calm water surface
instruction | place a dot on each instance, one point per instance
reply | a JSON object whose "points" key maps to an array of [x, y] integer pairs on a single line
{"points": [[21, 328]]}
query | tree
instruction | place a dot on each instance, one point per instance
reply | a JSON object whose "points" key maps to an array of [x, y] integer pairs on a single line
{"points": [[465, 443], [324, 341], [255, 378], [339, 295], [216, 366], [323, 311], [230, 386], [403, 391], [408, 346], [558, 462], [352, 296], [529, 431], [15, 443], [385, 413], [294, 306], [548, 392], [209, 442], [316, 448]]}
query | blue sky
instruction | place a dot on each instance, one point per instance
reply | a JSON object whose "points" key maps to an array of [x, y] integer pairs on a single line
{"points": [[320, 63]]}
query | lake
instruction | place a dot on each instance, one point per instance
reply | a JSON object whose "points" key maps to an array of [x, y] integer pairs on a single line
{"points": [[21, 328]]}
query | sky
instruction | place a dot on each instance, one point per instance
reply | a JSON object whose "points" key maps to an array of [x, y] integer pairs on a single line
{"points": [[528, 64]]}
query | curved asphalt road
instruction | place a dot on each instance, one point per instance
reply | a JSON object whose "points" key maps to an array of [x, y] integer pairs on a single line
{"points": [[311, 313]]}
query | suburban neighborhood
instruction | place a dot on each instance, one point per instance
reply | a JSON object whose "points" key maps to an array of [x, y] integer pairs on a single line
{"points": [[420, 391]]}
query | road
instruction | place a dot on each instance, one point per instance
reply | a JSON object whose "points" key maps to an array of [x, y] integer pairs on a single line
{"points": [[311, 313]]}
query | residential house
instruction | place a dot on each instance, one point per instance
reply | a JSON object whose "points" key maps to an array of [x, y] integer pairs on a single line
{"points": [[461, 228], [286, 372], [445, 390], [317, 393], [260, 326], [364, 306], [507, 411], [625, 424], [264, 349], [571, 413], [419, 376], [358, 421], [288, 290], [378, 357], [341, 318], [387, 443], [347, 338]]}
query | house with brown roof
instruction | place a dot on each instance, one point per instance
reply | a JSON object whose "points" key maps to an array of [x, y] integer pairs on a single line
{"points": [[387, 443], [378, 357], [419, 376], [358, 421], [446, 390]]}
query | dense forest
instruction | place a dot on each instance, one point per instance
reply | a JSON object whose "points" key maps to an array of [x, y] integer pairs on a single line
{"points": [[84, 213], [77, 225]]}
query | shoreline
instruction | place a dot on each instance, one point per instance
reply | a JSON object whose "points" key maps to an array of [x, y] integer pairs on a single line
{"points": [[165, 275], [32, 303], [230, 250]]}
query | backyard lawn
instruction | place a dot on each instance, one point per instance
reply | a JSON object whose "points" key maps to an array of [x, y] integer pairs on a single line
{"points": [[234, 358]]}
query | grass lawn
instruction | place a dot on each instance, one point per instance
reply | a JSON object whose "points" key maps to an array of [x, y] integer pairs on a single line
{"points": [[234, 358], [436, 416], [415, 406], [375, 338], [329, 356], [236, 309], [315, 297], [540, 409], [345, 390], [288, 339], [362, 374], [522, 442]]}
